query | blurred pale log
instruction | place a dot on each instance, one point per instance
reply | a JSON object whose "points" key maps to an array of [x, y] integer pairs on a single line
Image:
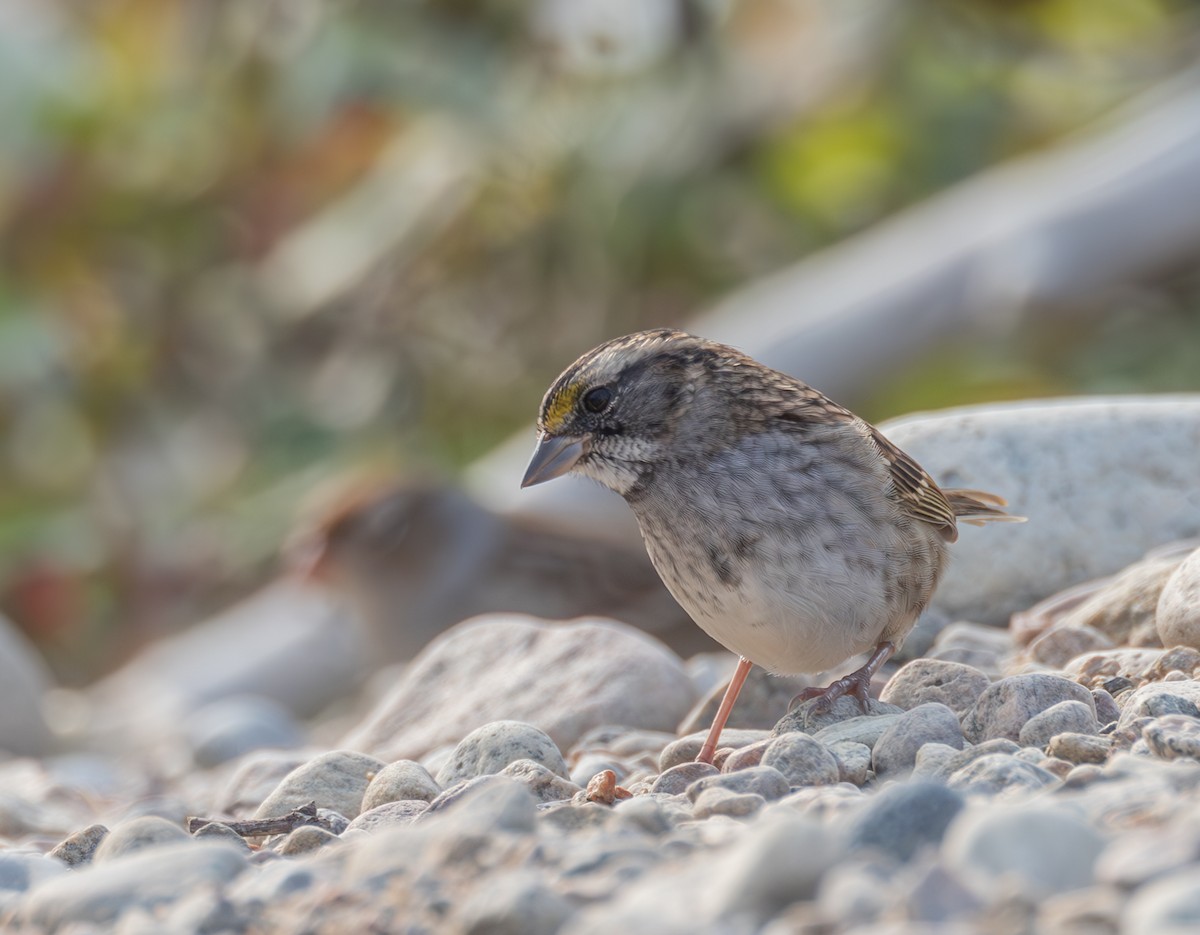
{"points": [[416, 187], [1046, 235]]}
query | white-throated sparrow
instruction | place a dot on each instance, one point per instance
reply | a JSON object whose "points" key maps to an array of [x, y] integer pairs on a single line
{"points": [[791, 531]]}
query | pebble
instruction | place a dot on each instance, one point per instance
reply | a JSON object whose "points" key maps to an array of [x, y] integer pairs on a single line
{"points": [[514, 903], [1124, 609], [810, 718], [137, 834], [1158, 698], [336, 780], [676, 779], [1042, 849], [718, 801], [903, 818], [1079, 748], [895, 752], [1005, 706], [972, 644], [1064, 717], [79, 847], [997, 773], [853, 761], [1064, 641], [766, 781], [490, 748], [686, 749], [1173, 735], [865, 729], [304, 840], [1177, 615], [802, 760], [544, 784], [952, 684], [1170, 906], [400, 781], [390, 814]]}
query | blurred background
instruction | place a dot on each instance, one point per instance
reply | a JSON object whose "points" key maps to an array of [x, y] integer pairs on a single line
{"points": [[247, 246]]}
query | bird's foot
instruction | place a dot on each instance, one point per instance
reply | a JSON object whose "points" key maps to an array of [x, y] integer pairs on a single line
{"points": [[856, 684]]}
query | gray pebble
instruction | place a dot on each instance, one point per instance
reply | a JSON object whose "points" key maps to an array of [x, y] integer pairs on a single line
{"points": [[933, 761], [866, 729], [1064, 641], [488, 749], [718, 801], [1080, 748], [896, 750], [1006, 705], [1107, 710], [1170, 906], [19, 872], [545, 785], [1064, 717], [1044, 850], [79, 848], [651, 813], [218, 831], [100, 894], [743, 757], [997, 773], [1140, 856], [138, 834], [515, 903], [968, 754], [903, 818], [760, 780], [1177, 616], [305, 840], [401, 781], [676, 779], [1158, 698], [486, 802], [953, 684], [390, 814], [854, 761], [575, 815], [802, 760], [939, 896], [809, 718], [336, 780], [1172, 736]]}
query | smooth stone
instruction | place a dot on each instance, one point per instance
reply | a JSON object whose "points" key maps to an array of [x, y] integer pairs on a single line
{"points": [[492, 747], [973, 644], [939, 896], [598, 672], [390, 814], [953, 684], [1125, 607], [305, 840], [802, 760], [903, 818], [1080, 748], [718, 801], [674, 781], [1172, 736], [865, 729], [997, 773], [1155, 699], [760, 780], [933, 761], [19, 872], [571, 815], [1044, 850], [1140, 856], [490, 802], [80, 846], [742, 758], [651, 814], [514, 903], [336, 780], [1057, 462], [1083, 911], [219, 831], [1064, 641], [545, 785], [1065, 717], [853, 760], [103, 892], [1177, 616], [1107, 711], [1170, 906], [228, 728], [137, 834], [400, 781], [686, 749], [810, 720], [1005, 706], [896, 750]]}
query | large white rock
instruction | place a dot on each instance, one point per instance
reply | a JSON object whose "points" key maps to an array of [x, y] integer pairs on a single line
{"points": [[1102, 480]]}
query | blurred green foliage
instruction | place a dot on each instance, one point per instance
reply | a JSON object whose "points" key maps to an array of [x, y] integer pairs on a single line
{"points": [[245, 244]]}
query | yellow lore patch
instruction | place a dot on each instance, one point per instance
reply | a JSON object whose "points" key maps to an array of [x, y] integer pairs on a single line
{"points": [[560, 407]]}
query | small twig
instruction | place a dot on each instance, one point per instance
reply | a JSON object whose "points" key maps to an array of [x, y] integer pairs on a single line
{"points": [[258, 827]]}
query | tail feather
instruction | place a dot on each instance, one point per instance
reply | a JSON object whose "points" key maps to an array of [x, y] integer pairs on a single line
{"points": [[977, 507]]}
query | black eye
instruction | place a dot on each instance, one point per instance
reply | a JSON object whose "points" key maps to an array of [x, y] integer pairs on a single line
{"points": [[597, 400]]}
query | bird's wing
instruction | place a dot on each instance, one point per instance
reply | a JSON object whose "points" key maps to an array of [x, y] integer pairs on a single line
{"points": [[917, 493]]}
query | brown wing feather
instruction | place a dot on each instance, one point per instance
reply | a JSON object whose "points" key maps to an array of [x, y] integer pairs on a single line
{"points": [[919, 496]]}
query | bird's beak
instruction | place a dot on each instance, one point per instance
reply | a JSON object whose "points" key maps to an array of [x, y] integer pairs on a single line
{"points": [[554, 456]]}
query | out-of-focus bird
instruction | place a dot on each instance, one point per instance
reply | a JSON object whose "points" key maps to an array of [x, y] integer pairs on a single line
{"points": [[414, 559]]}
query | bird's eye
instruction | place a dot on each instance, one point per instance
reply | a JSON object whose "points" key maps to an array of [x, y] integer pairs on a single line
{"points": [[597, 400]]}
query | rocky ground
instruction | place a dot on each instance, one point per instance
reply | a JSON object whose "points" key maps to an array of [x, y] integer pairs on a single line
{"points": [[532, 777]]}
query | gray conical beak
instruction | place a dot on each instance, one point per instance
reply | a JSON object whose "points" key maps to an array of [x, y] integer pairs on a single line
{"points": [[554, 456]]}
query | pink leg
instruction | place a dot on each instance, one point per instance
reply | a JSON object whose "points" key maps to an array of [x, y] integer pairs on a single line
{"points": [[714, 733], [857, 683]]}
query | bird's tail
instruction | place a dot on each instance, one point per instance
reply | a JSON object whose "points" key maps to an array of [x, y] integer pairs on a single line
{"points": [[978, 507]]}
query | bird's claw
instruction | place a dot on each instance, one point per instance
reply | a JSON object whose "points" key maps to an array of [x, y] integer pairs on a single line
{"points": [[856, 684]]}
